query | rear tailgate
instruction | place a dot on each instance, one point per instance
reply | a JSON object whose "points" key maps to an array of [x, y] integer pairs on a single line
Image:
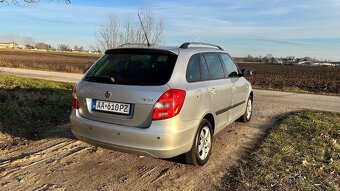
{"points": [[137, 100]]}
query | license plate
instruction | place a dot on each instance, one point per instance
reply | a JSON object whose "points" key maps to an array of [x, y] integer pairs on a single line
{"points": [[121, 108]]}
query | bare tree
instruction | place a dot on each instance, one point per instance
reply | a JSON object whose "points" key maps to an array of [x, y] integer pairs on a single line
{"points": [[108, 35], [75, 48], [25, 2], [116, 32], [153, 27], [64, 47], [42, 46]]}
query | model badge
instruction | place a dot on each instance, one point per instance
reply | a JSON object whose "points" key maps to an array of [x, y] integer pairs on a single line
{"points": [[108, 94], [149, 100]]}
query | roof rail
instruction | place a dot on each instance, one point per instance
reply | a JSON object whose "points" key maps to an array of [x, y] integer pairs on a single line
{"points": [[186, 45], [133, 44]]}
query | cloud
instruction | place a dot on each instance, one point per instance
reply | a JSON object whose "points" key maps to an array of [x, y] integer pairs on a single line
{"points": [[50, 20], [275, 11], [287, 21], [276, 41]]}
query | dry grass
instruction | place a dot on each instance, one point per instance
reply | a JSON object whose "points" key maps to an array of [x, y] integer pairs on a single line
{"points": [[302, 152], [50, 61]]}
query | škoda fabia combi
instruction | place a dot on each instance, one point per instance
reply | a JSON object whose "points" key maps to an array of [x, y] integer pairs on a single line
{"points": [[161, 101]]}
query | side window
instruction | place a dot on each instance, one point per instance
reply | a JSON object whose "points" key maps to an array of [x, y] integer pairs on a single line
{"points": [[214, 66], [204, 69], [193, 70], [229, 65]]}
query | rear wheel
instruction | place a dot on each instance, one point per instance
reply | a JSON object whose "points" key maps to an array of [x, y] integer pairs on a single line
{"points": [[249, 111], [201, 148]]}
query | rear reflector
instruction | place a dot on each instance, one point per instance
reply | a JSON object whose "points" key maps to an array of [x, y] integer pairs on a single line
{"points": [[169, 104]]}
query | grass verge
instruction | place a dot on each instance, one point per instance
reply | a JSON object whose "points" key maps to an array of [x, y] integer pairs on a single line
{"points": [[301, 152], [28, 107]]}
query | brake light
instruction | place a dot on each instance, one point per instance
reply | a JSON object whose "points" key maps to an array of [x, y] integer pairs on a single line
{"points": [[169, 104], [75, 103]]}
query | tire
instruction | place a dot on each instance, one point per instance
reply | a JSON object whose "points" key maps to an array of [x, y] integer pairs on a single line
{"points": [[249, 111], [202, 145]]}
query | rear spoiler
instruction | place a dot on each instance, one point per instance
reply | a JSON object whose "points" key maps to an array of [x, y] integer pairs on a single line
{"points": [[139, 51]]}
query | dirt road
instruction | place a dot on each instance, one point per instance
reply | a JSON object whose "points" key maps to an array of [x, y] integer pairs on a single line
{"points": [[46, 75], [60, 162]]}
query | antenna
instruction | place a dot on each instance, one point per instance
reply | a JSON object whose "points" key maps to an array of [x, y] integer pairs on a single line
{"points": [[146, 36]]}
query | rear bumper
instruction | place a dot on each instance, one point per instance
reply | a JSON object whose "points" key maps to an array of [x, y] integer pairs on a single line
{"points": [[163, 139]]}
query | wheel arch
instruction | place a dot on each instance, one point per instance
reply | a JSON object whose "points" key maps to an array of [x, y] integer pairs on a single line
{"points": [[251, 95], [210, 117]]}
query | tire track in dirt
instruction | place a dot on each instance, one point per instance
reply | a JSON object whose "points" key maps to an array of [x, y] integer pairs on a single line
{"points": [[18, 169], [28, 159], [21, 155]]}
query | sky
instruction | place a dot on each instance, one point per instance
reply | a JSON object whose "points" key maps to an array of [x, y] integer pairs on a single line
{"points": [[243, 27]]}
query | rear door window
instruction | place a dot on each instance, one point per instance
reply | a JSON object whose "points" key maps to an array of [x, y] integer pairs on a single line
{"points": [[133, 67], [214, 66]]}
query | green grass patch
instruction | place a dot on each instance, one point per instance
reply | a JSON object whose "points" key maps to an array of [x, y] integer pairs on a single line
{"points": [[29, 107], [302, 152]]}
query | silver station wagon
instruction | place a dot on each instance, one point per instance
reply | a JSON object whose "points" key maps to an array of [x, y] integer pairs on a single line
{"points": [[161, 101]]}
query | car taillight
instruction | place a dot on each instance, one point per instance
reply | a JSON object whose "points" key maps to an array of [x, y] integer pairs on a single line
{"points": [[75, 103], [169, 104]]}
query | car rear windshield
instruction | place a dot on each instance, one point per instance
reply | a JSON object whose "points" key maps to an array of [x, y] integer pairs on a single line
{"points": [[144, 68]]}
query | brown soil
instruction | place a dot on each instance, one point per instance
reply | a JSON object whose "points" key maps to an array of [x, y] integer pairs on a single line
{"points": [[314, 79]]}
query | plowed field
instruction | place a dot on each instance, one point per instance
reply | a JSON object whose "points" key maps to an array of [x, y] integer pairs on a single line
{"points": [[49, 60], [320, 80]]}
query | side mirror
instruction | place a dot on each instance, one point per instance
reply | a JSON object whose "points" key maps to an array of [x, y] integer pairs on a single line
{"points": [[246, 73]]}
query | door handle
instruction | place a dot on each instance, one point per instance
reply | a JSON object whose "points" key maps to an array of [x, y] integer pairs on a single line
{"points": [[213, 91]]}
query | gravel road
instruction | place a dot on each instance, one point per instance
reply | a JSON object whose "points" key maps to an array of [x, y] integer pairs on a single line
{"points": [[60, 162]]}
